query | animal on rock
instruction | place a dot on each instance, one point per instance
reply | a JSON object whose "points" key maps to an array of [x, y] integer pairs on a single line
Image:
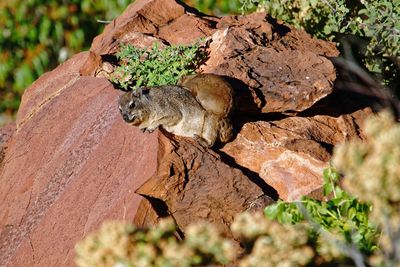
{"points": [[191, 109]]}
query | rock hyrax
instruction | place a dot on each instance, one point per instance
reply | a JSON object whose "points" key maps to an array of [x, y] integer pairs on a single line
{"points": [[176, 110]]}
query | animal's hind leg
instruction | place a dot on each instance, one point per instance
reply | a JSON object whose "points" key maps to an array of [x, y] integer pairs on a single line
{"points": [[225, 130], [210, 129]]}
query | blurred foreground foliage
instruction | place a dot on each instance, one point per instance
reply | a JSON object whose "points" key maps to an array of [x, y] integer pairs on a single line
{"points": [[119, 244]]}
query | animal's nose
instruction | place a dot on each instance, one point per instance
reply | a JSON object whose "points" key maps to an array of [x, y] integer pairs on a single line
{"points": [[125, 117]]}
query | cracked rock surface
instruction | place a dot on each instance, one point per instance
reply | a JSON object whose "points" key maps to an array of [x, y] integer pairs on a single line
{"points": [[70, 162]]}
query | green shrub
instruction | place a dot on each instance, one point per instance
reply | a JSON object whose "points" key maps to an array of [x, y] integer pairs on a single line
{"points": [[342, 214], [154, 66], [37, 35], [216, 7]]}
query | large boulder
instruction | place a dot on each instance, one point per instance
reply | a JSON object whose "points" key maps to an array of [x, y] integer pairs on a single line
{"points": [[72, 163]]}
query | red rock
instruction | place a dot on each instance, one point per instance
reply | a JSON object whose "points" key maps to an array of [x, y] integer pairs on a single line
{"points": [[285, 69], [5, 135], [71, 164], [176, 32], [197, 184], [144, 16], [290, 154]]}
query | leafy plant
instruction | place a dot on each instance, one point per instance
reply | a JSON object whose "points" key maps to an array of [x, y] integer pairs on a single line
{"points": [[379, 22], [37, 35], [320, 18], [341, 214], [216, 7], [155, 66]]}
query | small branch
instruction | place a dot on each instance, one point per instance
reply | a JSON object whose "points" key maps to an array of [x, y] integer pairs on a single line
{"points": [[104, 21]]}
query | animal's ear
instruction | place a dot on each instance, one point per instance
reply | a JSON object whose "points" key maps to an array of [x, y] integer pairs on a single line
{"points": [[141, 91], [145, 90], [185, 78], [137, 92]]}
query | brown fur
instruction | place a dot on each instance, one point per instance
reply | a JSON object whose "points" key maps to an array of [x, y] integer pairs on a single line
{"points": [[216, 96]]}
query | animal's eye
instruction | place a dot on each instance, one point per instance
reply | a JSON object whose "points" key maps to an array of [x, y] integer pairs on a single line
{"points": [[131, 104]]}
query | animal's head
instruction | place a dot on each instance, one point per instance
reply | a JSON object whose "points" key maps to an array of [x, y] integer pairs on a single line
{"points": [[134, 107]]}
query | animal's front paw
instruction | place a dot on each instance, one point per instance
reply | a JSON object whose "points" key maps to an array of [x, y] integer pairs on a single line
{"points": [[149, 130]]}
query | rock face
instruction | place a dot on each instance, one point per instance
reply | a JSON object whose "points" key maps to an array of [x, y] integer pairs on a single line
{"points": [[198, 184], [69, 165], [5, 135], [290, 154], [72, 162]]}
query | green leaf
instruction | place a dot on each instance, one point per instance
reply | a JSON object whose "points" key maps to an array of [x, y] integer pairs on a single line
{"points": [[272, 211], [328, 188]]}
